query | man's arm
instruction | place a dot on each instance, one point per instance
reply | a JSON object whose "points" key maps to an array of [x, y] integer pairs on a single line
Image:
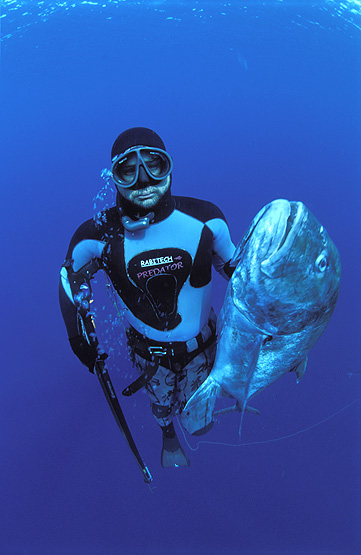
{"points": [[223, 248], [83, 260], [215, 233]]}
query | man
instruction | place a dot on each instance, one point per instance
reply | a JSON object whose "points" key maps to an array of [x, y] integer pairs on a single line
{"points": [[157, 250]]}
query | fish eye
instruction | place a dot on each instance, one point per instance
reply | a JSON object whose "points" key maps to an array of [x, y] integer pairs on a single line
{"points": [[321, 263]]}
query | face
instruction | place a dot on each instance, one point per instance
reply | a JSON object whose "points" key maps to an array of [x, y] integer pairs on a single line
{"points": [[146, 192]]}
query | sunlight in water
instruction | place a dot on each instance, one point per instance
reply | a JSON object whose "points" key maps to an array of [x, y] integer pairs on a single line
{"points": [[16, 16]]}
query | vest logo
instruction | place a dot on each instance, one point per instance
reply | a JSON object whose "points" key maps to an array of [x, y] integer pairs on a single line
{"points": [[156, 261]]}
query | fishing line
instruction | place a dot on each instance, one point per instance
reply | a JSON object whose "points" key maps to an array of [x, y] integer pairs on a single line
{"points": [[266, 440], [112, 295]]}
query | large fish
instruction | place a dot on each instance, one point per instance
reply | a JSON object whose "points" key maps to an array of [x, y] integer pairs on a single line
{"points": [[278, 302]]}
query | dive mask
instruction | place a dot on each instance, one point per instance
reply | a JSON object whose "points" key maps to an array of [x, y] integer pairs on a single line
{"points": [[125, 167]]}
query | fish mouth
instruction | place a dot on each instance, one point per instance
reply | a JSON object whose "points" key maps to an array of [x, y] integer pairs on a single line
{"points": [[286, 219], [280, 221]]}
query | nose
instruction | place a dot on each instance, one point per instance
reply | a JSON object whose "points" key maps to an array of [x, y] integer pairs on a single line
{"points": [[143, 177]]}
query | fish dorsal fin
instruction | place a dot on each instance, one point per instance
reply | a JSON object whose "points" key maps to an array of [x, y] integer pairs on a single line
{"points": [[198, 412], [300, 369]]}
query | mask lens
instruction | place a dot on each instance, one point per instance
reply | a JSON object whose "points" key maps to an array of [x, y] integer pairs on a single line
{"points": [[125, 169], [158, 164]]}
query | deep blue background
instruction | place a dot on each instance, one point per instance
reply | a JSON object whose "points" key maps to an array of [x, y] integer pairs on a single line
{"points": [[256, 104]]}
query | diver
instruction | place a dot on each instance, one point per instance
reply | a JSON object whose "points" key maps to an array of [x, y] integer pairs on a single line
{"points": [[157, 250]]}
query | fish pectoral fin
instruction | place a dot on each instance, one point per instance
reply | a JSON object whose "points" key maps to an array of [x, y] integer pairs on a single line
{"points": [[300, 369], [198, 412]]}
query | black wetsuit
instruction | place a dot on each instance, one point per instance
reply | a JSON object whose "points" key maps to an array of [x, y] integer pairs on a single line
{"points": [[162, 275]]}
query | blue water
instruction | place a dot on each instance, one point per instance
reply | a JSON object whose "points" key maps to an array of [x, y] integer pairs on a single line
{"points": [[254, 101]]}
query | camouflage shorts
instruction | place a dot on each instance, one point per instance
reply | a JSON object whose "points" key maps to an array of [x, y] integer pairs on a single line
{"points": [[169, 391]]}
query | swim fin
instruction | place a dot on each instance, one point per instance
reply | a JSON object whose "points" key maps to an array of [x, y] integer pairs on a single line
{"points": [[172, 455]]}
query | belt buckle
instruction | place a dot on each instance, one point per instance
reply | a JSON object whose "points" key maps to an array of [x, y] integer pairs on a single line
{"points": [[157, 350]]}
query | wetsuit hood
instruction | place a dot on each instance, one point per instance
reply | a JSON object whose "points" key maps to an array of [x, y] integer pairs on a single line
{"points": [[136, 136]]}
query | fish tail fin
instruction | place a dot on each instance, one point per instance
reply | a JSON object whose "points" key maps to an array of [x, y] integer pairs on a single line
{"points": [[198, 412]]}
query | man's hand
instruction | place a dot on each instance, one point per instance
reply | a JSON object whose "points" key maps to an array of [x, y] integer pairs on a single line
{"points": [[87, 354]]}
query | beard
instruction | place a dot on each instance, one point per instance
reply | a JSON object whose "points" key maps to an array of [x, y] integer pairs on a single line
{"points": [[148, 197], [138, 202]]}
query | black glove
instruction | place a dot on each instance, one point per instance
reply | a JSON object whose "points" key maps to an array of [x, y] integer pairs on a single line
{"points": [[87, 354]]}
